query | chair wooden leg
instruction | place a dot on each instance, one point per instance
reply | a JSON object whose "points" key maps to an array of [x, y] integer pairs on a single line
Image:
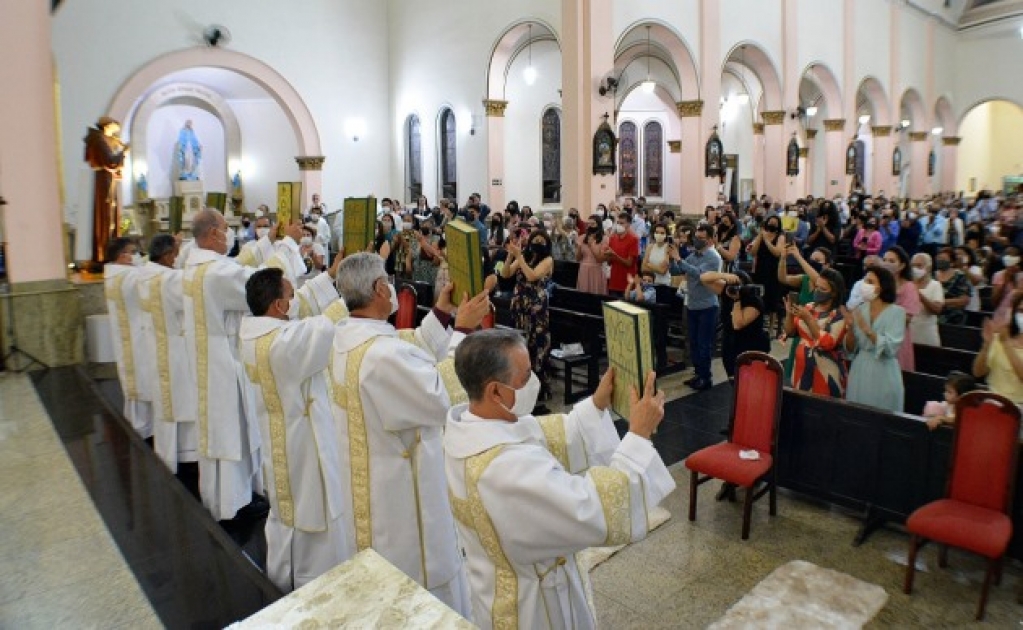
{"points": [[991, 568], [693, 477], [907, 587], [747, 510], [943, 556]]}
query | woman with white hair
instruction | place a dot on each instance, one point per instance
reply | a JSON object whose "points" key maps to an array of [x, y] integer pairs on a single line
{"points": [[932, 301]]}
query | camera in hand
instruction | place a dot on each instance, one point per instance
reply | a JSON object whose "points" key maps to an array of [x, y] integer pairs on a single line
{"points": [[734, 291]]}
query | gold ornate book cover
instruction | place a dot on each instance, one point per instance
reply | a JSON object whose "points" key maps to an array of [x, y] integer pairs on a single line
{"points": [[284, 206], [176, 214], [360, 221], [629, 350], [465, 260]]}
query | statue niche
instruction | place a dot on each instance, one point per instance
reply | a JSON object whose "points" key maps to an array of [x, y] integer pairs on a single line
{"points": [[188, 154]]}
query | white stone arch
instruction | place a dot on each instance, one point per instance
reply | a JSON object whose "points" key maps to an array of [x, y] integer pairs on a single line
{"points": [[871, 99], [751, 55], [512, 41], [294, 107], [186, 93], [668, 47], [944, 116]]}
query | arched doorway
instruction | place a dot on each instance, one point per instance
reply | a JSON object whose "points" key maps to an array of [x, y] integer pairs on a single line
{"points": [[991, 147], [819, 100], [873, 126]]}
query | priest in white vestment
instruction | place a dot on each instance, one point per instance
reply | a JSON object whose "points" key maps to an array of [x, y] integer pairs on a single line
{"points": [[214, 304], [286, 359], [175, 436], [529, 493], [392, 391], [131, 342]]}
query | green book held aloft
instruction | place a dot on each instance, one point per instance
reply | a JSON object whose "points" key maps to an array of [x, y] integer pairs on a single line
{"points": [[465, 260], [176, 213], [630, 350], [360, 224]]}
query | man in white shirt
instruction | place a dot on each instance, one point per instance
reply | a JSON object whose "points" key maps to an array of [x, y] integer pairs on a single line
{"points": [[392, 391], [132, 349], [529, 493], [317, 214], [286, 362], [214, 304]]}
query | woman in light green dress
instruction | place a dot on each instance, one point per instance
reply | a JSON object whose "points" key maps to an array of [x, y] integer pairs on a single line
{"points": [[879, 326]]}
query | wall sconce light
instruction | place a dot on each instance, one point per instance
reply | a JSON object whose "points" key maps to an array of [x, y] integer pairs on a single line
{"points": [[905, 124], [937, 131], [354, 128], [864, 119]]}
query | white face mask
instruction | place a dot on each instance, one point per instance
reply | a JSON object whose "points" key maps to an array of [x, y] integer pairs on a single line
{"points": [[394, 299], [137, 260], [316, 216], [406, 226], [547, 224], [659, 238], [525, 398], [306, 241], [262, 232], [1010, 261], [619, 228], [1019, 320], [230, 240], [919, 273], [868, 292], [293, 308]]}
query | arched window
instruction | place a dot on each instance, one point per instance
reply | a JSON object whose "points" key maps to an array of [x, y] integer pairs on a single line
{"points": [[413, 159], [551, 155], [629, 167], [653, 159], [448, 162]]}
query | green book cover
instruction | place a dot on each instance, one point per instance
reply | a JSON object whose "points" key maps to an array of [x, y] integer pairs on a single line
{"points": [[465, 260], [359, 219], [217, 201], [176, 213], [629, 350]]}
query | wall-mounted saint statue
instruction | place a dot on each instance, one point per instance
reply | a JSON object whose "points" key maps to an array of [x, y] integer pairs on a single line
{"points": [[792, 158], [714, 153], [105, 154], [932, 162], [188, 153], [604, 149], [850, 158], [897, 161]]}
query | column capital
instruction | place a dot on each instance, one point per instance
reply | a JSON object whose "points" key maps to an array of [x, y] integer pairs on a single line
{"points": [[834, 124], [881, 131], [310, 162], [689, 109], [675, 146], [951, 141], [495, 108], [811, 134], [775, 117], [758, 128], [917, 136], [804, 152]]}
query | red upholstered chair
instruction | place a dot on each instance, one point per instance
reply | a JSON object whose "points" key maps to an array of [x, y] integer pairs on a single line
{"points": [[408, 303], [490, 318], [753, 426], [974, 515]]}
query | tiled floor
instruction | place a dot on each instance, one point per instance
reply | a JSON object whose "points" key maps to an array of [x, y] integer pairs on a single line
{"points": [[163, 546]]}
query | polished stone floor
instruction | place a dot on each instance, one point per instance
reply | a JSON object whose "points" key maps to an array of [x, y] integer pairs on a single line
{"points": [[89, 549]]}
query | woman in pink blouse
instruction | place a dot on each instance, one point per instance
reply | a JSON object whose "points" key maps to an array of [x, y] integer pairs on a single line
{"points": [[868, 240], [908, 297]]}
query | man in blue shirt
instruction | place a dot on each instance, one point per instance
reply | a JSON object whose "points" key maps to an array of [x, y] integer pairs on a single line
{"points": [[933, 232], [701, 304], [889, 230]]}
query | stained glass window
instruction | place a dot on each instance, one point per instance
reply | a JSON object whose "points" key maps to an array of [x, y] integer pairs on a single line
{"points": [[448, 163], [653, 159], [413, 159], [629, 162], [551, 155]]}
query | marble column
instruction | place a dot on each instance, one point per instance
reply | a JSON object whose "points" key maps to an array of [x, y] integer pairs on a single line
{"points": [[919, 150], [881, 161], [495, 154], [710, 64], [310, 173], [774, 155], [587, 53], [949, 162], [759, 186], [691, 162], [812, 150], [834, 158], [45, 305]]}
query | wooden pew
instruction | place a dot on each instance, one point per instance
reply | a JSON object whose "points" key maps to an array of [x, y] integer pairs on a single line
{"points": [[566, 273], [940, 361], [976, 318], [882, 464], [920, 389], [960, 337]]}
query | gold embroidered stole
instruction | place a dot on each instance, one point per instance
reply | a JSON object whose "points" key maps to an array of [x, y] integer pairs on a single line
{"points": [[154, 306], [115, 293], [446, 368], [195, 290]]}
